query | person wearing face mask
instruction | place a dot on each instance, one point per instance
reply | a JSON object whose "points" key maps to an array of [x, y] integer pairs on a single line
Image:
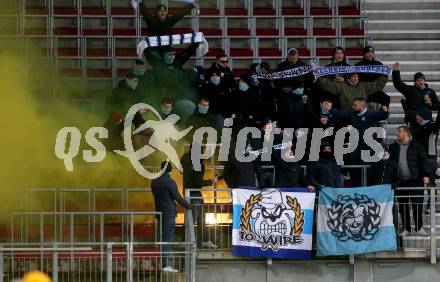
{"points": [[219, 96], [115, 127], [160, 24], [417, 96], [325, 172], [124, 95], [221, 68], [144, 80], [288, 174], [291, 105], [248, 103], [304, 82], [321, 117], [350, 88], [202, 117]]}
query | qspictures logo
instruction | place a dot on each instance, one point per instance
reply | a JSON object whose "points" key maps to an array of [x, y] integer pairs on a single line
{"points": [[165, 132]]}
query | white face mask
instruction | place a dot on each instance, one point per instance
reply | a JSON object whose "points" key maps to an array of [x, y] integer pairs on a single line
{"points": [[215, 80], [298, 91], [131, 84], [243, 86]]}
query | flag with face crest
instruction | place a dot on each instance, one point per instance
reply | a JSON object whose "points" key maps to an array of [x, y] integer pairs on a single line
{"points": [[272, 223]]}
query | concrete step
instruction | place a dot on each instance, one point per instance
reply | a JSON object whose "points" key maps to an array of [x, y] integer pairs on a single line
{"points": [[408, 24], [430, 75], [389, 87], [397, 14], [408, 55], [418, 242], [421, 34], [393, 45], [409, 66], [400, 4]]}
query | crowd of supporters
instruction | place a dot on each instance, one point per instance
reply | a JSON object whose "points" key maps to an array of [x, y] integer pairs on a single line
{"points": [[205, 96]]}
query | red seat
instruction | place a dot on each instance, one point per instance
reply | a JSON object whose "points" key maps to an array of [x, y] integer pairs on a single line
{"points": [[304, 52], [94, 11], [125, 52], [211, 31], [354, 52], [352, 31], [269, 52], [181, 30], [240, 72], [348, 11], [66, 31], [292, 11], [124, 31], [235, 11], [209, 11], [65, 10], [295, 31], [70, 72], [97, 53], [94, 31], [324, 31], [37, 10], [101, 73], [214, 52], [35, 31], [144, 230], [319, 11], [267, 31], [324, 52], [262, 11], [238, 32], [122, 11], [68, 52], [241, 52]]}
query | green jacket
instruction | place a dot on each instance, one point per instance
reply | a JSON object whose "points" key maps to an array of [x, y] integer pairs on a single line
{"points": [[347, 92]]}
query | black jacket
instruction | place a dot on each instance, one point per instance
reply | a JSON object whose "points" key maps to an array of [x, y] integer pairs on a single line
{"points": [[426, 135], [227, 81], [305, 81], [238, 174], [324, 173], [361, 121], [415, 97], [193, 179], [368, 77], [417, 163], [287, 174], [122, 98], [166, 195], [157, 27]]}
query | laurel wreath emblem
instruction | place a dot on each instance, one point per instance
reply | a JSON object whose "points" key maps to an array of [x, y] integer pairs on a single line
{"points": [[343, 208], [254, 199]]}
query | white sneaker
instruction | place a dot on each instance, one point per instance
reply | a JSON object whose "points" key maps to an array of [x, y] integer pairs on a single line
{"points": [[209, 244], [422, 232], [405, 233], [170, 269]]}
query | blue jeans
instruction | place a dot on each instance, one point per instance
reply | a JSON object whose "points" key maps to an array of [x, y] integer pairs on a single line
{"points": [[168, 225]]}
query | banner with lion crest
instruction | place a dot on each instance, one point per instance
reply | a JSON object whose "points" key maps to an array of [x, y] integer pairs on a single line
{"points": [[355, 220], [273, 223]]}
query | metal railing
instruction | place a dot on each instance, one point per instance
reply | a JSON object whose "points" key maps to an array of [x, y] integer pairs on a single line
{"points": [[216, 210], [128, 261]]}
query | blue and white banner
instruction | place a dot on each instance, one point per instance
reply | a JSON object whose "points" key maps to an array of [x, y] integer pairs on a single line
{"points": [[272, 223], [170, 40], [323, 71], [379, 69], [355, 220]]}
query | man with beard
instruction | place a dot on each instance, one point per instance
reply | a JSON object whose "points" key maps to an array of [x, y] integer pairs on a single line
{"points": [[368, 59]]}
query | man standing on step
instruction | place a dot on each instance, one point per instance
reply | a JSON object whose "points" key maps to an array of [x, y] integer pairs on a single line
{"points": [[407, 167], [417, 96]]}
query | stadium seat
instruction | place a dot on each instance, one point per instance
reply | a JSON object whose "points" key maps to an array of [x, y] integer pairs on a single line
{"points": [[295, 31], [319, 11], [269, 52], [238, 32], [235, 11], [267, 31], [348, 11], [124, 31], [263, 11], [288, 11], [241, 52], [209, 11]]}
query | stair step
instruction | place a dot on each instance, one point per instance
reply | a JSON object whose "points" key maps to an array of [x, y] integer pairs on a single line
{"points": [[400, 5], [408, 55], [403, 14], [392, 45], [404, 33]]}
